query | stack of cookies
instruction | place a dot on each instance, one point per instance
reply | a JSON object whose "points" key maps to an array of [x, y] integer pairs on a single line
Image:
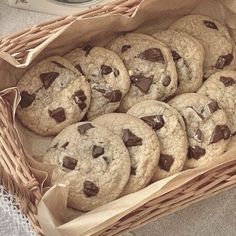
{"points": [[137, 111]]}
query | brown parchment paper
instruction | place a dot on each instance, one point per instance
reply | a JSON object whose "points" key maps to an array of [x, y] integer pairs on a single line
{"points": [[54, 217]]}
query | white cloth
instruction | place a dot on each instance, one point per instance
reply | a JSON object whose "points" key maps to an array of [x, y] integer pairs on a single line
{"points": [[12, 221]]}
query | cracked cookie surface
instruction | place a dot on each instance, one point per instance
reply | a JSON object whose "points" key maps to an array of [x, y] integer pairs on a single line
{"points": [[107, 76], [207, 127], [150, 65], [53, 95], [94, 161]]}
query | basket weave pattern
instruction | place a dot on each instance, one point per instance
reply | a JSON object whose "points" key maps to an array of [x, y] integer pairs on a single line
{"points": [[15, 174]]}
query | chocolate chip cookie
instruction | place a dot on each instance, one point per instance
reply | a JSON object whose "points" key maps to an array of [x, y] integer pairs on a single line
{"points": [[150, 65], [215, 38], [207, 127], [170, 129], [94, 161], [188, 55], [107, 75], [53, 95], [221, 87], [142, 144]]}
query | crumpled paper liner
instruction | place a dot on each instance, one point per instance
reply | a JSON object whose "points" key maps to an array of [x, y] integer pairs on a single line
{"points": [[151, 15]]}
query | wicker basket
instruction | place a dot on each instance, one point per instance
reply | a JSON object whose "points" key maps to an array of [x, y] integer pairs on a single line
{"points": [[15, 173]]}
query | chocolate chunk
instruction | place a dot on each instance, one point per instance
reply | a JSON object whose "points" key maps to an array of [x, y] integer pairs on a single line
{"points": [[156, 122], [234, 133], [130, 139], [166, 80], [106, 70], [113, 96], [224, 61], [175, 56], [198, 135], [58, 114], [90, 189], [99, 90], [26, 99], [65, 145], [55, 146], [87, 49], [116, 72], [204, 78], [106, 160], [69, 162], [227, 81], [165, 162], [79, 98], [220, 132], [132, 170], [83, 128], [48, 78], [78, 67], [142, 82], [210, 24], [125, 48], [153, 55], [213, 106], [97, 151], [195, 152], [58, 64]]}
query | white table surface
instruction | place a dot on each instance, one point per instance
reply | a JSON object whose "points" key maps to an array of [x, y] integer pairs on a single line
{"points": [[211, 217]]}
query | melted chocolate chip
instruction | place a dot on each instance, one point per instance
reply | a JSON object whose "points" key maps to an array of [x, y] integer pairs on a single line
{"points": [[83, 128], [156, 122], [79, 98], [90, 189], [97, 151], [166, 80], [195, 152], [227, 81], [132, 171], [26, 99], [204, 78], [220, 132], [198, 135], [165, 162], [153, 55], [69, 162], [57, 114], [58, 64], [65, 145], [142, 82], [87, 49], [234, 133], [78, 67], [48, 78], [213, 106], [175, 56], [125, 48], [210, 24], [224, 61], [113, 96], [106, 70], [116, 72], [130, 139]]}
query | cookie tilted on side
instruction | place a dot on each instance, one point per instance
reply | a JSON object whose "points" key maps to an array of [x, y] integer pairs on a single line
{"points": [[215, 38], [188, 55], [207, 127], [150, 65], [94, 161], [53, 95], [221, 87], [107, 76], [170, 129], [142, 144]]}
